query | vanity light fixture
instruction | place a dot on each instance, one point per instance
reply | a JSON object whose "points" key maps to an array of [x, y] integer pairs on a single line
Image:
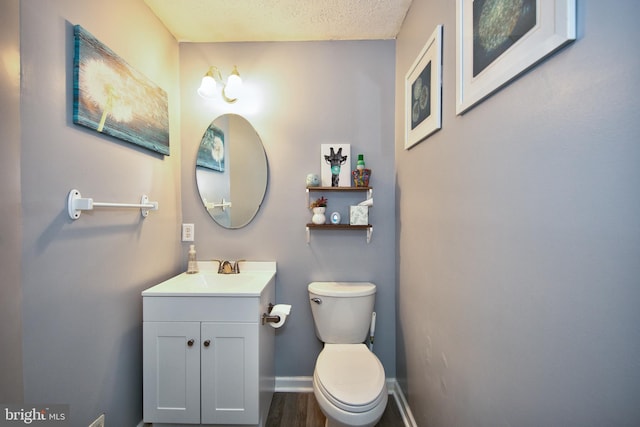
{"points": [[230, 90]]}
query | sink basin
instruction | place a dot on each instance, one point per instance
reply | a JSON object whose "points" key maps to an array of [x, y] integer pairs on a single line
{"points": [[250, 282]]}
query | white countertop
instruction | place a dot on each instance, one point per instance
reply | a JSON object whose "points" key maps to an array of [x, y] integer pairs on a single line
{"points": [[254, 276]]}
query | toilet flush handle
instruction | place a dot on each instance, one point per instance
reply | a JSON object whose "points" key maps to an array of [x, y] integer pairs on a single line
{"points": [[316, 300]]}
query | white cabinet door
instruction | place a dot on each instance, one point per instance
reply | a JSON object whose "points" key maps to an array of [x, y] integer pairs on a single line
{"points": [[229, 366], [171, 372]]}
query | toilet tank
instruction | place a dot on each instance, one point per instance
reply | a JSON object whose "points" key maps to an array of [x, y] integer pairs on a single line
{"points": [[342, 310]]}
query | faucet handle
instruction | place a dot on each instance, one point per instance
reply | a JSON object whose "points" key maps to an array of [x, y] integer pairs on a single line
{"points": [[236, 265], [219, 261]]}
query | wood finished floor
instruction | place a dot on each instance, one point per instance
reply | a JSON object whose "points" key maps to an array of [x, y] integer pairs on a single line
{"points": [[302, 410]]}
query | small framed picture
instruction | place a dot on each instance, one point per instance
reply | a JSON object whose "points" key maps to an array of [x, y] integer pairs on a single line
{"points": [[335, 165], [423, 92]]}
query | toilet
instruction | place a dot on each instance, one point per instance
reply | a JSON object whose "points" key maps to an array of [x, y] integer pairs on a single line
{"points": [[348, 380]]}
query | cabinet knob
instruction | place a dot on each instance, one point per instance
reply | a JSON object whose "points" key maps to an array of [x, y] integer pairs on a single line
{"points": [[190, 342], [207, 343]]}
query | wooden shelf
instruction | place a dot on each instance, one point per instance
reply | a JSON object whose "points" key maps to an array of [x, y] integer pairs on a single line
{"points": [[311, 226], [339, 226], [339, 188]]}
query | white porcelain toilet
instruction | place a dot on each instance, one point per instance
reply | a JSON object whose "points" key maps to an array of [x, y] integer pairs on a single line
{"points": [[348, 380]]}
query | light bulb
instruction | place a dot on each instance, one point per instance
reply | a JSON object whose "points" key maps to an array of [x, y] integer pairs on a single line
{"points": [[207, 88], [233, 88]]}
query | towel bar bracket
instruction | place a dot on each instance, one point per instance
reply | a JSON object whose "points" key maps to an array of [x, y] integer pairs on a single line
{"points": [[76, 204]]}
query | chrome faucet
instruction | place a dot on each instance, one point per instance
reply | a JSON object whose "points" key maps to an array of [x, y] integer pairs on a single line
{"points": [[227, 267]]}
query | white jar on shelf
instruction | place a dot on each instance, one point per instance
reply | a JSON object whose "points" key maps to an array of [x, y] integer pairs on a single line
{"points": [[318, 215]]}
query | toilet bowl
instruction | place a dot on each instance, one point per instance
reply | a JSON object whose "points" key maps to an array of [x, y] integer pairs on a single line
{"points": [[348, 380], [349, 385]]}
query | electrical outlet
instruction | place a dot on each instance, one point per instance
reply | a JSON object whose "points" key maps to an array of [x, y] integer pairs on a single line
{"points": [[99, 422], [188, 232]]}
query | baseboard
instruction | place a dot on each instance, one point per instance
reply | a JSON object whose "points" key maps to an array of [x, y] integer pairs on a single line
{"points": [[403, 405], [294, 384], [305, 385]]}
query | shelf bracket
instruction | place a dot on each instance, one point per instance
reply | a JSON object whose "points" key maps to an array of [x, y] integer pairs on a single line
{"points": [[369, 233]]}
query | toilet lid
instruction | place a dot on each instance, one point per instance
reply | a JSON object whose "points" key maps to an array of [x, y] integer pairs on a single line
{"points": [[350, 376]]}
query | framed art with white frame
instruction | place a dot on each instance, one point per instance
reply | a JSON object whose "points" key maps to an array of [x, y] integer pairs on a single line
{"points": [[497, 40], [423, 92]]}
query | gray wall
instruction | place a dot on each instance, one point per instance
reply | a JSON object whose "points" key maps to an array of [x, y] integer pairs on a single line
{"points": [[10, 222], [298, 96], [81, 280], [519, 236]]}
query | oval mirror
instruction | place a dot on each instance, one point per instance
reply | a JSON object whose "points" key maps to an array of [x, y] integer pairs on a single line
{"points": [[231, 171]]}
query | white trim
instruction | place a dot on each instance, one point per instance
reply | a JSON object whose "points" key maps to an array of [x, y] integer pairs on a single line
{"points": [[305, 385], [294, 384], [403, 405]]}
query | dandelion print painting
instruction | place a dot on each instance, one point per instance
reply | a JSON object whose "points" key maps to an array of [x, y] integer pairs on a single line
{"points": [[211, 150], [112, 98]]}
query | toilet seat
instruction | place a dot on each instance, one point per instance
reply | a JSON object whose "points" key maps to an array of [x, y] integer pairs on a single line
{"points": [[351, 377]]}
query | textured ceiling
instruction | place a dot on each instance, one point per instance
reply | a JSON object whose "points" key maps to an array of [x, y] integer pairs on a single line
{"points": [[280, 20]]}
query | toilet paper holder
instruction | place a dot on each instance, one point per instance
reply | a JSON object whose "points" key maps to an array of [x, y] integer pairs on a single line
{"points": [[267, 318]]}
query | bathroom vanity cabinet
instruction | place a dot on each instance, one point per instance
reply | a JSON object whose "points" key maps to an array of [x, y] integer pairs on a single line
{"points": [[342, 226], [207, 359]]}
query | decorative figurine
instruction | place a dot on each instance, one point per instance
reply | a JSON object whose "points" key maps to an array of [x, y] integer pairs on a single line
{"points": [[319, 207], [313, 180]]}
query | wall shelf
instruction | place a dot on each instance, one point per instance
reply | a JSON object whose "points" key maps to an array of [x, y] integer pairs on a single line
{"points": [[339, 188], [311, 226]]}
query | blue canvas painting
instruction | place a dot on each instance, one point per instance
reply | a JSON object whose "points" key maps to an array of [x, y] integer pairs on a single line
{"points": [[211, 150], [111, 97]]}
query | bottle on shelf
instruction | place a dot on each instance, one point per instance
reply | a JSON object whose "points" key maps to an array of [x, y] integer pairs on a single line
{"points": [[361, 174]]}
